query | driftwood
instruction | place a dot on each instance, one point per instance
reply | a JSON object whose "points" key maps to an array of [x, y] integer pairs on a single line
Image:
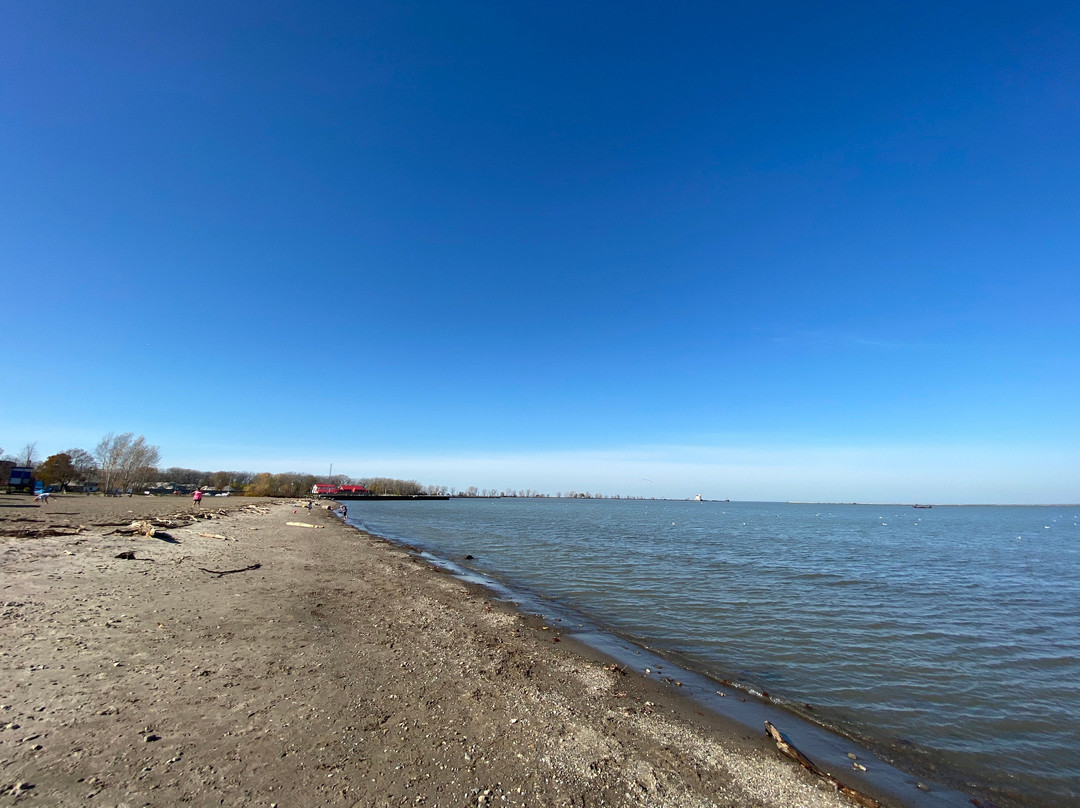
{"points": [[213, 513], [145, 528], [176, 520], [140, 527], [789, 749], [39, 532], [304, 524], [215, 536], [169, 521], [219, 573]]}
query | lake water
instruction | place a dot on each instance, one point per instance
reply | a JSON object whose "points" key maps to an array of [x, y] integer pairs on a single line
{"points": [[946, 640]]}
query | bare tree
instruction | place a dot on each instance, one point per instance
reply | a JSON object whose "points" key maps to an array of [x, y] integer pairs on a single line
{"points": [[83, 463], [29, 453], [140, 463], [126, 460], [392, 487], [109, 453], [182, 476], [240, 478]]}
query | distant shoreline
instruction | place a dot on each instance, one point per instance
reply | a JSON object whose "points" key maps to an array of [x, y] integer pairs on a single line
{"points": [[943, 504], [352, 497]]}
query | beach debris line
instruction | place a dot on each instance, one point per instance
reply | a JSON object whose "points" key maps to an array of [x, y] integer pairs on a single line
{"points": [[40, 532], [788, 748]]}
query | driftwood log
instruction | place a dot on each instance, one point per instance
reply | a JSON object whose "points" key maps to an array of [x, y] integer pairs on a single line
{"points": [[140, 527], [789, 749], [40, 532]]}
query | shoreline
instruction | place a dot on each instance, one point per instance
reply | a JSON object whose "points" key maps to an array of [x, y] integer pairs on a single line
{"points": [[242, 659], [737, 707]]}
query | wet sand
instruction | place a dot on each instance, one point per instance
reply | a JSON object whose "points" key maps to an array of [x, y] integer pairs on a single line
{"points": [[240, 660]]}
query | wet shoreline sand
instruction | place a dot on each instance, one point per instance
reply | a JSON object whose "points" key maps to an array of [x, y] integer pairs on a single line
{"points": [[241, 660]]}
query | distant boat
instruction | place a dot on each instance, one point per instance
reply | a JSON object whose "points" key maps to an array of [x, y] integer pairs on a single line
{"points": [[922, 506], [698, 498]]}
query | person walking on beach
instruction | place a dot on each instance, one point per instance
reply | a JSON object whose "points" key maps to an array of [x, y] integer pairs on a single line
{"points": [[196, 498]]}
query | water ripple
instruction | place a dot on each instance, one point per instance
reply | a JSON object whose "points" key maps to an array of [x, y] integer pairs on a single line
{"points": [[956, 629]]}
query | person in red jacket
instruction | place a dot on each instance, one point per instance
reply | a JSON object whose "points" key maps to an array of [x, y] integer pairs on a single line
{"points": [[196, 498]]}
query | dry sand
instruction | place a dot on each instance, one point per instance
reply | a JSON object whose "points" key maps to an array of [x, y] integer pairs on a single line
{"points": [[341, 671]]}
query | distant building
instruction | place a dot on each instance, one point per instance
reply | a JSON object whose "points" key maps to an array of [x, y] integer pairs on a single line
{"points": [[328, 490], [16, 478]]}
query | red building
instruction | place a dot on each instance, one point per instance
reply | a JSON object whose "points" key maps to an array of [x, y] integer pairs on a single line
{"points": [[326, 489]]}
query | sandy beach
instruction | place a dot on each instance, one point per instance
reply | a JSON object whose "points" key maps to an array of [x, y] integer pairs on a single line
{"points": [[237, 659]]}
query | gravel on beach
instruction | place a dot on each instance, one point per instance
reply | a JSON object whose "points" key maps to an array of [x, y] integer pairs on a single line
{"points": [[251, 652]]}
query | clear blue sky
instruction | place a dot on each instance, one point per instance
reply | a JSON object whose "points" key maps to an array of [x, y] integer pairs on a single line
{"points": [[758, 251]]}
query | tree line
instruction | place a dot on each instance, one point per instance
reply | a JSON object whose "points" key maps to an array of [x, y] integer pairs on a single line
{"points": [[118, 462], [127, 462]]}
